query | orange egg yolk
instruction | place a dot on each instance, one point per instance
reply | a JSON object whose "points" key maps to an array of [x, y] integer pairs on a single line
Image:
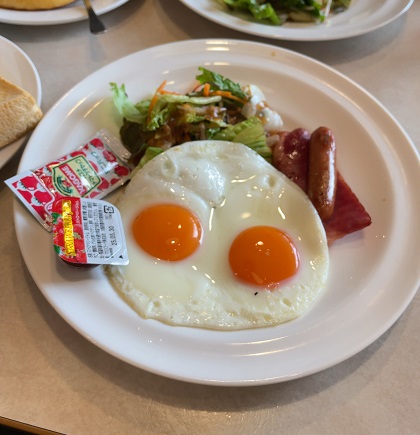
{"points": [[167, 231], [263, 256]]}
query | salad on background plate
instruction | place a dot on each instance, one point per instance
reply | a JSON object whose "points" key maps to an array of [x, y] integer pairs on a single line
{"points": [[301, 20], [277, 12]]}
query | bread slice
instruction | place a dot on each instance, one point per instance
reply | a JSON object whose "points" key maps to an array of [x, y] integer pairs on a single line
{"points": [[32, 5], [19, 112]]}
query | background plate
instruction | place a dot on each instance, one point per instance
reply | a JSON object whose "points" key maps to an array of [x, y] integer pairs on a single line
{"points": [[363, 16], [18, 68], [67, 14], [373, 276]]}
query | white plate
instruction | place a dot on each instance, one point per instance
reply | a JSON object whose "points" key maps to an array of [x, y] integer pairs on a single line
{"points": [[66, 14], [17, 67], [363, 16], [374, 274]]}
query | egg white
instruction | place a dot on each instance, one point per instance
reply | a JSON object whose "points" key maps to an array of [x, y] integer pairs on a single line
{"points": [[230, 188]]}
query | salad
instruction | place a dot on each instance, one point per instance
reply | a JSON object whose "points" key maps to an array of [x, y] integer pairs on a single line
{"points": [[279, 11], [216, 109]]}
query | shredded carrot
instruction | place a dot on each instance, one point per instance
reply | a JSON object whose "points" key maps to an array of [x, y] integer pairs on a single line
{"points": [[153, 101], [206, 93], [228, 94], [206, 90], [165, 92]]}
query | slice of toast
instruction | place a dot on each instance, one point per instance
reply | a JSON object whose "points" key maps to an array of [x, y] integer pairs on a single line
{"points": [[19, 112]]}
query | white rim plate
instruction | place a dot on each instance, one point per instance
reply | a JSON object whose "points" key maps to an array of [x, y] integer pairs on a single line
{"points": [[373, 275], [363, 16], [66, 14], [18, 68]]}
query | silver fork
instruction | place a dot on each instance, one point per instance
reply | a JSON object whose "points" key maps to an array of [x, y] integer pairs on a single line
{"points": [[95, 24]]}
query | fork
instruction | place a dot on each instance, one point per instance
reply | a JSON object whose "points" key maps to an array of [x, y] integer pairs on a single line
{"points": [[95, 24]]}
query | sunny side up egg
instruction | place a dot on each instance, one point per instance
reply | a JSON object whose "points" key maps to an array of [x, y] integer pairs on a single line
{"points": [[217, 238]]}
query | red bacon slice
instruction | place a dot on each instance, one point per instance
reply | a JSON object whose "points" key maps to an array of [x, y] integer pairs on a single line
{"points": [[291, 156]]}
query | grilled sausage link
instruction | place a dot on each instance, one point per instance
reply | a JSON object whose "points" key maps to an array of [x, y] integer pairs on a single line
{"points": [[291, 154], [322, 172]]}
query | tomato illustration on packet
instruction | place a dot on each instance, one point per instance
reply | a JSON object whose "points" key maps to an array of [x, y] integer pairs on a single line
{"points": [[92, 170]]}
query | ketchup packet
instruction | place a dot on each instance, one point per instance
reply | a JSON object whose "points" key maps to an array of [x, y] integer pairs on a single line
{"points": [[93, 170], [88, 232]]}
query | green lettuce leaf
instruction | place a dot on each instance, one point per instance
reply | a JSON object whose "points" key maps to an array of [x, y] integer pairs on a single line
{"points": [[150, 153], [199, 101], [249, 132], [279, 11], [219, 82], [167, 103], [128, 110], [260, 11]]}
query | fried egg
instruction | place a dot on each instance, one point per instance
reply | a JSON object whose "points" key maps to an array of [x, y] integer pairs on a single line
{"points": [[217, 238]]}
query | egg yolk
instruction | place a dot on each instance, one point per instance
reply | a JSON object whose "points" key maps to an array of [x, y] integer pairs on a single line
{"points": [[167, 231], [263, 256]]}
